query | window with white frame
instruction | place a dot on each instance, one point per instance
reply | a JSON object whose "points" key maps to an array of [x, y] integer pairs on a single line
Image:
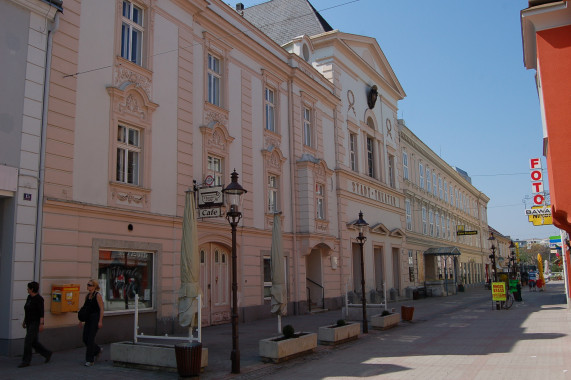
{"points": [[437, 217], [270, 106], [122, 275], [445, 192], [448, 226], [353, 151], [370, 157], [431, 221], [267, 277], [451, 195], [408, 215], [214, 79], [391, 170], [457, 194], [320, 201], [273, 193], [443, 222], [410, 266], [424, 229], [440, 190], [132, 33], [434, 184], [307, 128], [421, 175], [404, 165], [428, 181], [128, 155], [215, 169]]}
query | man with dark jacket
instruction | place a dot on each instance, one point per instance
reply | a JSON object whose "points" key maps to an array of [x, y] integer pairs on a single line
{"points": [[34, 324]]}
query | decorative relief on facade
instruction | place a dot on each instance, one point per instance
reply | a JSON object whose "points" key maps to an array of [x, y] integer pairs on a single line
{"points": [[220, 317], [321, 226], [217, 141], [123, 74], [212, 118], [129, 197], [274, 162], [271, 141], [131, 105], [374, 194]]}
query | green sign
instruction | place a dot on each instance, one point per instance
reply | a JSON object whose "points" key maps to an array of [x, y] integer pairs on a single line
{"points": [[513, 286]]}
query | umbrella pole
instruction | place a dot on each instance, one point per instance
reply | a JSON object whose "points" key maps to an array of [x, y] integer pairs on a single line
{"points": [[279, 324]]}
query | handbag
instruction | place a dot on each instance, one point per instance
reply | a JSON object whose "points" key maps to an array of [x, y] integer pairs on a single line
{"points": [[82, 314]]}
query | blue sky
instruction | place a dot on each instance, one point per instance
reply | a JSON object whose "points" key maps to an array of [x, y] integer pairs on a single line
{"points": [[469, 96]]}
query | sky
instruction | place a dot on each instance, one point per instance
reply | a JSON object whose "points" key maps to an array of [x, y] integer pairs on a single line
{"points": [[469, 96]]}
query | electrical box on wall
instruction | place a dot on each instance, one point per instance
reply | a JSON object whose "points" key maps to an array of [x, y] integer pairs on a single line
{"points": [[65, 298]]}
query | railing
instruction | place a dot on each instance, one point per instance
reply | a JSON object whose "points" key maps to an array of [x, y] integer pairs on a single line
{"points": [[322, 293], [308, 297]]}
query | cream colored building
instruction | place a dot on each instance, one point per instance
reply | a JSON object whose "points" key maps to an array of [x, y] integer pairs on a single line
{"points": [[440, 201]]}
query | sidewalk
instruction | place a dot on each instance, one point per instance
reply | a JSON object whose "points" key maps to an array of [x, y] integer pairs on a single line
{"points": [[218, 339]]}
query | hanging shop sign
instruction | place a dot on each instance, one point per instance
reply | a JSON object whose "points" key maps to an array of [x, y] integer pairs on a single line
{"points": [[210, 196], [461, 231], [536, 175], [539, 215]]}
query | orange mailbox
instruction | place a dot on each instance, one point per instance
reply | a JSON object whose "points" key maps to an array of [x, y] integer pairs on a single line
{"points": [[65, 298]]}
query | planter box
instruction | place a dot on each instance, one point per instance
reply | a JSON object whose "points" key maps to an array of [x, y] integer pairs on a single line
{"points": [[331, 335], [148, 356], [386, 322], [277, 349]]}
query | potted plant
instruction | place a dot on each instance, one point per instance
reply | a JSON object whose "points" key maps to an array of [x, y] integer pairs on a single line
{"points": [[338, 333], [385, 320], [289, 345]]}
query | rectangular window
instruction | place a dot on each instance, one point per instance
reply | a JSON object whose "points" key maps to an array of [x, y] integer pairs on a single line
{"points": [[456, 193], [132, 33], [443, 226], [273, 193], [434, 184], [215, 169], [128, 155], [267, 277], [448, 226], [445, 192], [408, 215], [320, 204], [353, 151], [214, 78], [451, 196], [437, 217], [270, 110], [424, 220], [440, 188], [405, 165], [123, 274], [391, 171], [370, 157], [431, 222], [428, 182], [421, 176], [307, 131], [410, 266]]}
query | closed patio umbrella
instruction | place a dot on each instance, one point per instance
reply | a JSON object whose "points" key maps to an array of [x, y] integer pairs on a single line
{"points": [[189, 267], [278, 290]]}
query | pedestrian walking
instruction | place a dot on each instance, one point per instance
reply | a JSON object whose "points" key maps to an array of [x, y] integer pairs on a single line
{"points": [[34, 324], [94, 321]]}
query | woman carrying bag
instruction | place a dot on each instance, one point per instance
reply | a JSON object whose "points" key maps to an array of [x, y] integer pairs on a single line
{"points": [[93, 321]]}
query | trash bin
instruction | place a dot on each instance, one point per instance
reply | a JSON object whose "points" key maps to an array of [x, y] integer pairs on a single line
{"points": [[406, 312], [188, 358]]}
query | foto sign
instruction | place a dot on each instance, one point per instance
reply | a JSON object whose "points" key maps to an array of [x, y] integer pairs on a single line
{"points": [[498, 291], [536, 181]]}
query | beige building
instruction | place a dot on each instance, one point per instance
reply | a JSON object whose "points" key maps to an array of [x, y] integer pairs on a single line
{"points": [[441, 205]]}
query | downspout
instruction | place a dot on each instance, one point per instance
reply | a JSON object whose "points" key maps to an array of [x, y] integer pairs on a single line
{"points": [[41, 166], [292, 196], [337, 187]]}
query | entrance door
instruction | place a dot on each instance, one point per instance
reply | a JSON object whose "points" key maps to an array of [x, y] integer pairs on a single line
{"points": [[396, 269], [215, 283], [314, 278], [357, 268], [379, 269]]}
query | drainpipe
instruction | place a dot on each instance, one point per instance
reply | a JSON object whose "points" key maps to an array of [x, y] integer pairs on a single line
{"points": [[41, 166], [292, 196], [337, 187]]}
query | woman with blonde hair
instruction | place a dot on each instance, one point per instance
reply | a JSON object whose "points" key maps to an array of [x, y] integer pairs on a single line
{"points": [[94, 321]]}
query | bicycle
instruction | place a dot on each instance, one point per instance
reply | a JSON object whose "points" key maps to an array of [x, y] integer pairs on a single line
{"points": [[509, 301]]}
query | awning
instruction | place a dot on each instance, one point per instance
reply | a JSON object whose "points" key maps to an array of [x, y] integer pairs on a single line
{"points": [[443, 251]]}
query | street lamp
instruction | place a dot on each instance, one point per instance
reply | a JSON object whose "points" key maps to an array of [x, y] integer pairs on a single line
{"points": [[493, 256], [233, 196], [512, 259], [360, 223]]}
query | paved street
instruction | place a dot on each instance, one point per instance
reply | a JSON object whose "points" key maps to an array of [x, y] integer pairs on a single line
{"points": [[457, 337]]}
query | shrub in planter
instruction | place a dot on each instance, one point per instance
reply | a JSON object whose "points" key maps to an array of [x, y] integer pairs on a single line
{"points": [[385, 313], [288, 331], [341, 322]]}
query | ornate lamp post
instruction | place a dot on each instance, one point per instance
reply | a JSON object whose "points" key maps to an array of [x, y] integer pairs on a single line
{"points": [[233, 196], [512, 259], [360, 223], [493, 256]]}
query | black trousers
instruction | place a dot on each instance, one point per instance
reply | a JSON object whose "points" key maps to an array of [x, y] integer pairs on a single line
{"points": [[31, 341], [89, 331]]}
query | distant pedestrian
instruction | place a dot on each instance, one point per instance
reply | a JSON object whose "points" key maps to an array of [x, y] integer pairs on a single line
{"points": [[94, 322], [34, 324]]}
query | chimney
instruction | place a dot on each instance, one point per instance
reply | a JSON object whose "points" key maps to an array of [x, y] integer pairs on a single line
{"points": [[239, 7]]}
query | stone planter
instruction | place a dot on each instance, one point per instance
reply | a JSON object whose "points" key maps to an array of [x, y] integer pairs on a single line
{"points": [[278, 349], [385, 322], [331, 335]]}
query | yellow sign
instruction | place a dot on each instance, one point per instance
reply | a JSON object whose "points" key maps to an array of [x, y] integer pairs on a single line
{"points": [[498, 291], [539, 215]]}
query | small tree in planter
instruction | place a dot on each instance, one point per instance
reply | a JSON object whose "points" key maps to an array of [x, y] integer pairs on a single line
{"points": [[287, 346], [385, 320]]}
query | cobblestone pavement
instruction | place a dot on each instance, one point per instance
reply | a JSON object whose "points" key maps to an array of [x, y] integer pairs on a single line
{"points": [[456, 337]]}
